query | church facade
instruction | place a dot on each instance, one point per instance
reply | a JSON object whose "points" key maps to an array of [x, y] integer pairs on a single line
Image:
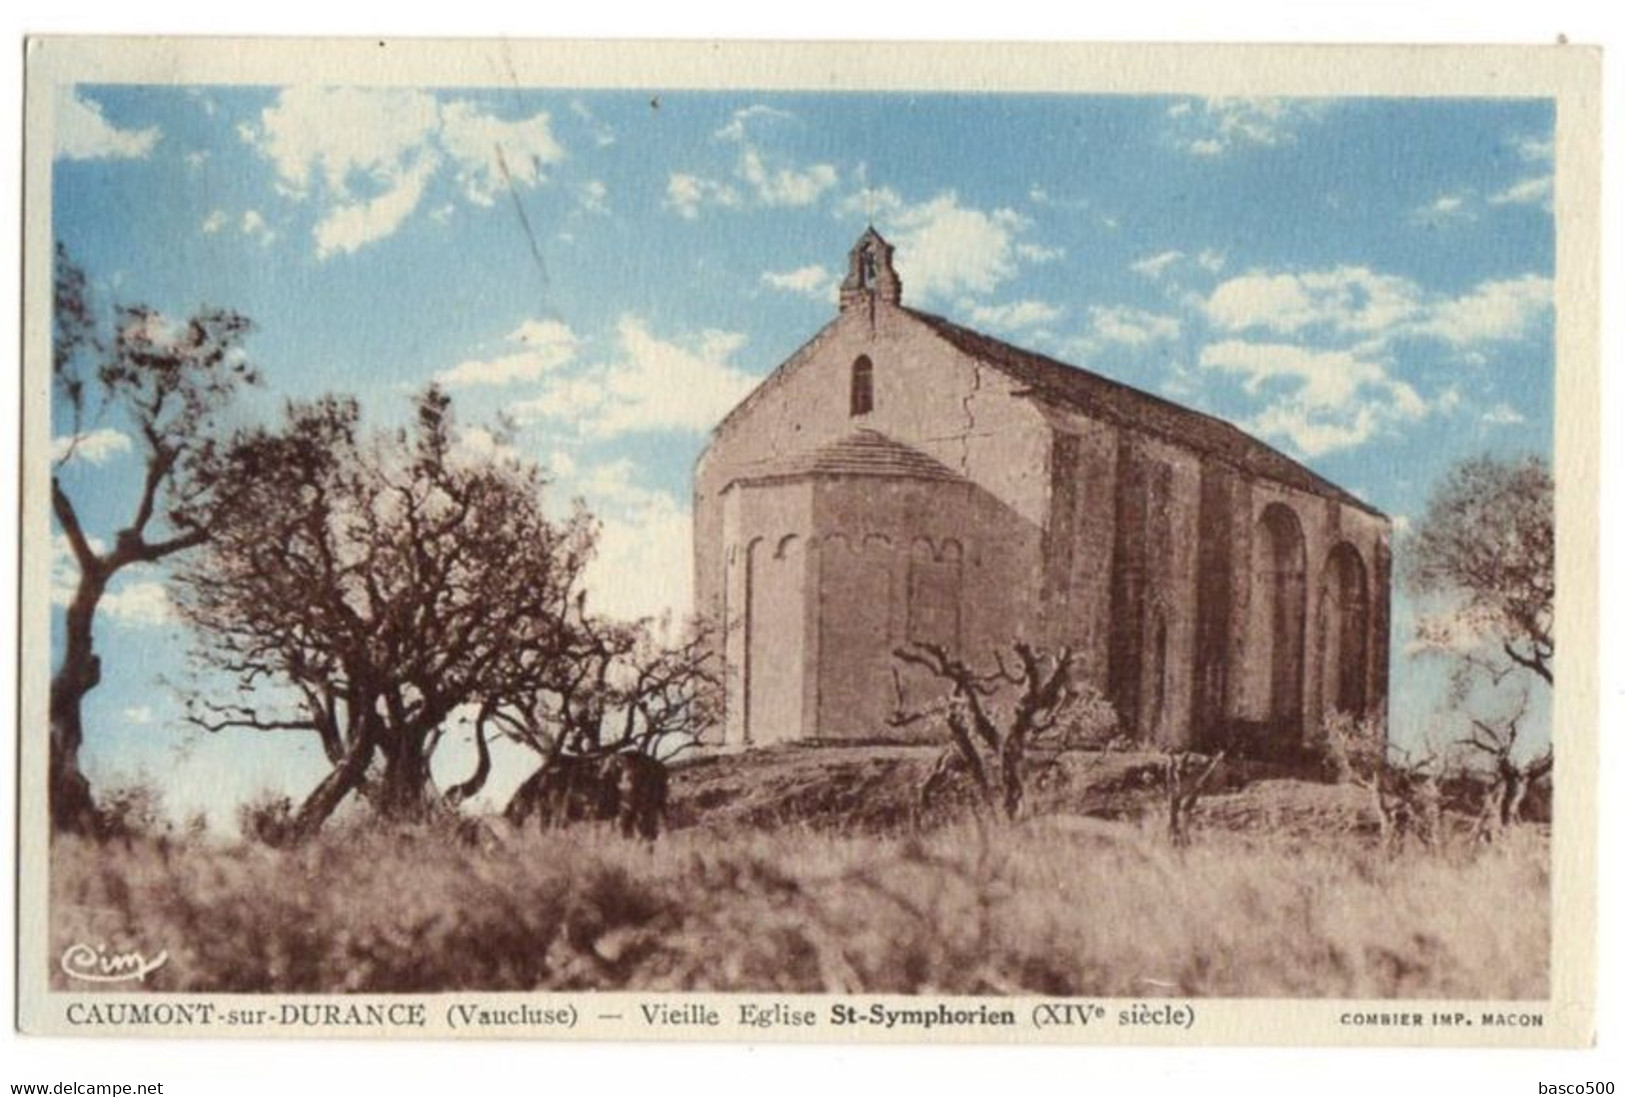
{"points": [[901, 478]]}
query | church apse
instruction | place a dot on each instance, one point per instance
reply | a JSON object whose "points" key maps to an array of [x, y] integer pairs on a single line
{"points": [[835, 568]]}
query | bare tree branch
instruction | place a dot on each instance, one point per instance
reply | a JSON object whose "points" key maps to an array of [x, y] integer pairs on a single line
{"points": [[987, 742]]}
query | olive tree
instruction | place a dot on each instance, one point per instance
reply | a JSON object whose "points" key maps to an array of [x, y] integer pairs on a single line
{"points": [[1486, 546], [163, 386], [363, 588], [1485, 549]]}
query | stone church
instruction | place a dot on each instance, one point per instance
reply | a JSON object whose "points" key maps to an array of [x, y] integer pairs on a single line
{"points": [[904, 478]]}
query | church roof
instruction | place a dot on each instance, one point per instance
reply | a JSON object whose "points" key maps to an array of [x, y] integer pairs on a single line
{"points": [[1099, 396], [861, 453]]}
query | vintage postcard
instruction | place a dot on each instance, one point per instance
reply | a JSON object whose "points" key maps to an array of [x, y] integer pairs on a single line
{"points": [[806, 542]]}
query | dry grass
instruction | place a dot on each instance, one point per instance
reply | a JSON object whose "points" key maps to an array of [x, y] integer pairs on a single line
{"points": [[1058, 906]]}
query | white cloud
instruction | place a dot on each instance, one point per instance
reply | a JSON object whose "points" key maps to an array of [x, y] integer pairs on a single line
{"points": [[139, 714], [1491, 311], [477, 444], [773, 181], [560, 463], [653, 385], [341, 136], [143, 604], [368, 155], [785, 186], [1156, 265], [204, 101], [1214, 127], [1010, 316], [1153, 266], [1039, 196], [1534, 190], [603, 135], [767, 179], [1130, 326], [1118, 331], [869, 203], [543, 333], [1039, 253], [642, 566], [545, 345], [688, 193], [685, 193], [814, 281], [735, 129], [252, 224], [614, 484], [1332, 387], [945, 249], [95, 446], [490, 153], [593, 197], [1503, 415], [1320, 378], [255, 228], [82, 133], [1320, 400], [1345, 299], [351, 226], [1449, 207], [1380, 307], [1314, 431], [1536, 150]]}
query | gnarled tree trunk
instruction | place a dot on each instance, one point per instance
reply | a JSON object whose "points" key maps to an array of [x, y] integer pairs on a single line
{"points": [[330, 793], [72, 807]]}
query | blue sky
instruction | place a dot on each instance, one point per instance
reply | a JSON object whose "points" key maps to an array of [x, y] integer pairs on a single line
{"points": [[1365, 283]]}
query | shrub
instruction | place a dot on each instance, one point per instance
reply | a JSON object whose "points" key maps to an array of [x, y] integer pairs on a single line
{"points": [[134, 809], [1352, 749], [266, 817]]}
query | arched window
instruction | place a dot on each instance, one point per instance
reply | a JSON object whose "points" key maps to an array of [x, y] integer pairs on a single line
{"points": [[863, 386], [1343, 631], [1280, 600]]}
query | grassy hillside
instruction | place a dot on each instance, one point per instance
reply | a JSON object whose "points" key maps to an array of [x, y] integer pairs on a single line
{"points": [[803, 870], [873, 789]]}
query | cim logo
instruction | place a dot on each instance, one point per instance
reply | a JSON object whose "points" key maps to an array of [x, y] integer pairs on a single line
{"points": [[98, 965]]}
